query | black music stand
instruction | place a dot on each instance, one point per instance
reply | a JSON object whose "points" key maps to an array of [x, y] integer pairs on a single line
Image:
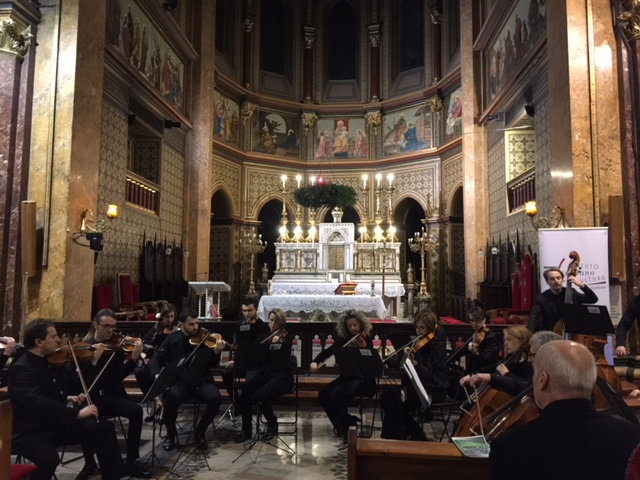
{"points": [[191, 376], [248, 355], [586, 319], [164, 380], [423, 395]]}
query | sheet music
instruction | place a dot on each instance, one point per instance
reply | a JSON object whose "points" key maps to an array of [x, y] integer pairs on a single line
{"points": [[425, 398]]}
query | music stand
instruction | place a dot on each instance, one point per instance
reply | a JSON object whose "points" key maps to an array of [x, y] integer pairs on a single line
{"points": [[423, 395], [359, 362], [586, 319], [164, 380]]}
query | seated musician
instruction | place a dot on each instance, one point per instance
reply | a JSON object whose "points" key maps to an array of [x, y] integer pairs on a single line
{"points": [[249, 328], [152, 340], [42, 421], [631, 314], [514, 374], [484, 346], [570, 440], [180, 344], [106, 371], [273, 380], [353, 327], [544, 314], [429, 357]]}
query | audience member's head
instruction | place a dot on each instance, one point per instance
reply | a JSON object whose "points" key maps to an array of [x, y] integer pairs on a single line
{"points": [[540, 338], [563, 370]]}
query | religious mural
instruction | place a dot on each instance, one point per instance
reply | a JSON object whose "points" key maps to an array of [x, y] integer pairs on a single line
{"points": [[521, 32], [276, 134], [341, 138], [407, 130], [453, 109], [226, 120], [135, 37]]}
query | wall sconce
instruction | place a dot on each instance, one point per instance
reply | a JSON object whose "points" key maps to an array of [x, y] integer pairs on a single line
{"points": [[556, 220], [93, 230]]}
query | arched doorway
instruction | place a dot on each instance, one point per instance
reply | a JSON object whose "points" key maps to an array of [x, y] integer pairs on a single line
{"points": [[457, 280], [271, 216], [222, 267], [409, 215]]}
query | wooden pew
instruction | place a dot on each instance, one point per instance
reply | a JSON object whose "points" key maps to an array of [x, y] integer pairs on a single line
{"points": [[370, 459], [7, 470]]}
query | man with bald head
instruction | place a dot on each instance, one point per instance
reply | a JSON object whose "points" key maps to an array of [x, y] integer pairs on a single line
{"points": [[570, 440]]}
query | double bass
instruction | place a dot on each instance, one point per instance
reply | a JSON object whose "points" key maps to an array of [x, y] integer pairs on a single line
{"points": [[572, 270]]}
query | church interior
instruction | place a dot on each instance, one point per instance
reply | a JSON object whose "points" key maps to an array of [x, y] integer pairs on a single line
{"points": [[148, 144]]}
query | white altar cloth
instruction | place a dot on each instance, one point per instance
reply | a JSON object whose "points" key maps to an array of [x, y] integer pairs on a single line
{"points": [[282, 288], [325, 303]]}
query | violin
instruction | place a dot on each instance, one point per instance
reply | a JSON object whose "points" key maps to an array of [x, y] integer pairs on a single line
{"points": [[203, 337], [359, 340], [420, 343], [63, 355], [276, 337], [121, 342]]}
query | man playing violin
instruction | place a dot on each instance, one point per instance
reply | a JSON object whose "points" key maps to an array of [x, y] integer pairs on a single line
{"points": [[483, 347], [429, 357], [353, 327], [42, 421], [272, 380], [110, 364], [545, 314], [181, 344]]}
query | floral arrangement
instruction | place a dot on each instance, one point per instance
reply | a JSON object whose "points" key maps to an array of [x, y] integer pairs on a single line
{"points": [[326, 195]]}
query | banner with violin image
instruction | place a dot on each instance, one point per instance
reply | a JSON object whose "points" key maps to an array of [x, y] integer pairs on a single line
{"points": [[584, 251]]}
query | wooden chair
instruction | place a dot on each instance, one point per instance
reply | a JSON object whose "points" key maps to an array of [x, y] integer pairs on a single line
{"points": [[7, 469]]}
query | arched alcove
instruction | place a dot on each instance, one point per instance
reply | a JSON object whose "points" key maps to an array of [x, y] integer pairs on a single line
{"points": [[270, 216], [408, 215], [457, 244]]}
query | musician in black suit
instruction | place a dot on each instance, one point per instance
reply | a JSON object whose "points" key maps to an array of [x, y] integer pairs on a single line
{"points": [[106, 371], [483, 347], [570, 440], [544, 314], [178, 345], [42, 421], [248, 329], [273, 380], [631, 314], [428, 356], [353, 328]]}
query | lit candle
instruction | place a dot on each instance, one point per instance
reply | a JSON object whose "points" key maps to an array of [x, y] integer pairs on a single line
{"points": [[379, 178], [312, 179], [365, 177], [390, 178], [284, 181], [298, 178]]}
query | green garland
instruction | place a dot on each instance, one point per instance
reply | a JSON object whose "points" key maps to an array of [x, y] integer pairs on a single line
{"points": [[326, 195]]}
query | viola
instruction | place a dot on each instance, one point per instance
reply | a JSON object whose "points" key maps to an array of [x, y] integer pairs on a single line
{"points": [[63, 355], [203, 337]]}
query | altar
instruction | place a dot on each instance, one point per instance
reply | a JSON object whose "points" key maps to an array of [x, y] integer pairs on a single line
{"points": [[305, 306]]}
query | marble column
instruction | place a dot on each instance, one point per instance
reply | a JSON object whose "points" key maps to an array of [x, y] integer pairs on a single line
{"points": [[374, 62], [65, 154], [474, 157], [583, 111], [436, 22], [198, 178], [247, 41], [16, 80], [309, 41]]}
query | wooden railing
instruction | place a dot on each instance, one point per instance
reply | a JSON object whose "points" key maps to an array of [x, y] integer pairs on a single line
{"points": [[521, 190], [142, 193]]}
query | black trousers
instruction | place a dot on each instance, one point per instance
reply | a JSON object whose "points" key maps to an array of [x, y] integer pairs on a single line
{"points": [[144, 378], [205, 392], [397, 423], [263, 387], [110, 406], [336, 396], [40, 448]]}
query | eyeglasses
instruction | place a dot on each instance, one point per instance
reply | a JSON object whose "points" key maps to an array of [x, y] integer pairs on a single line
{"points": [[109, 326]]}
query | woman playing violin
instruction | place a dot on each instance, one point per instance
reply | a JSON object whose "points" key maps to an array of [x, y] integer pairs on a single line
{"points": [[428, 356], [515, 373], [336, 396], [483, 347], [273, 380]]}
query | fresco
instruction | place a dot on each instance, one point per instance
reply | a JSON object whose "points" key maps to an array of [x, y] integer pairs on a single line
{"points": [[135, 37], [341, 138], [276, 134], [226, 119], [407, 130], [453, 109], [525, 26]]}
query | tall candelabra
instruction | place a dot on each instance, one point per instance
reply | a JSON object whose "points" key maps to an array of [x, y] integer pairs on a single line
{"points": [[423, 244], [253, 245]]}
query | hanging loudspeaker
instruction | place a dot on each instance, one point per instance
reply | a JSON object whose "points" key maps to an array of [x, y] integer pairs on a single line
{"points": [[28, 220]]}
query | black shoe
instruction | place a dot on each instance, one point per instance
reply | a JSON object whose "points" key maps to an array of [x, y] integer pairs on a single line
{"points": [[168, 444], [136, 471], [272, 430], [201, 442], [244, 437], [88, 470]]}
